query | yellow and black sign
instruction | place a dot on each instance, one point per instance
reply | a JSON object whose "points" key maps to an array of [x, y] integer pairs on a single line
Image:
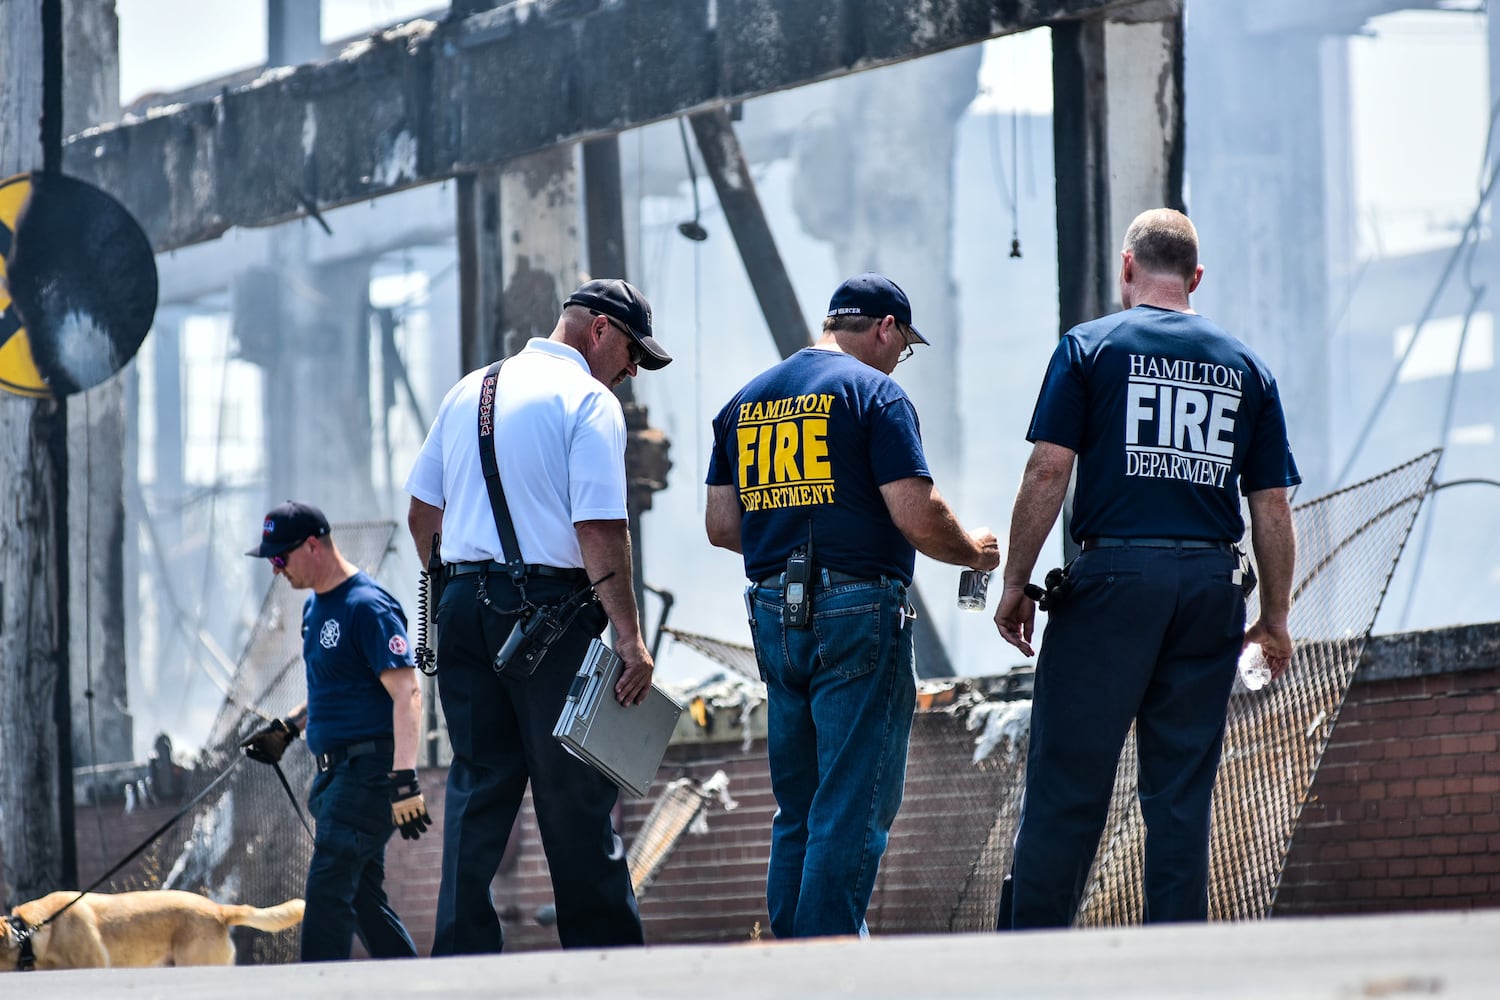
{"points": [[77, 285], [18, 372]]}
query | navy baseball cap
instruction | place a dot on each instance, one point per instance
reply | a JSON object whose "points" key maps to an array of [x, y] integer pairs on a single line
{"points": [[289, 525], [873, 295], [619, 299]]}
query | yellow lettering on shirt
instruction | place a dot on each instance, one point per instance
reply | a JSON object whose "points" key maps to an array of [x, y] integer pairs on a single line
{"points": [[782, 451]]}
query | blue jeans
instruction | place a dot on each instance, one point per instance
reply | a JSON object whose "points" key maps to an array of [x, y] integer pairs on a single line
{"points": [[841, 695], [1148, 636], [346, 880]]}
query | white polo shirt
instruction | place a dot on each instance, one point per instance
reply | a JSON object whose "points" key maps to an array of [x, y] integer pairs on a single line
{"points": [[560, 447]]}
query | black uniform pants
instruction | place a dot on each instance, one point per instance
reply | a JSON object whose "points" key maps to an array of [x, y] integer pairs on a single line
{"points": [[1149, 635], [346, 880], [501, 731]]}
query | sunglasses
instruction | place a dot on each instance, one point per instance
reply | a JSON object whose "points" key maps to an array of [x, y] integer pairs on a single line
{"points": [[636, 353], [279, 560]]}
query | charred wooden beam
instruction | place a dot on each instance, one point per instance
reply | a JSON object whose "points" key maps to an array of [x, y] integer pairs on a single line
{"points": [[730, 172], [427, 100]]}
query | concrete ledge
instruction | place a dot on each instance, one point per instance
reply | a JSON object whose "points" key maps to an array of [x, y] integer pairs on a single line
{"points": [[1452, 955], [1434, 651]]}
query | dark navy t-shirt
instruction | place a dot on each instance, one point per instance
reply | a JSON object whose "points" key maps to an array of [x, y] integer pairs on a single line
{"points": [[349, 636], [1171, 418], [810, 442]]}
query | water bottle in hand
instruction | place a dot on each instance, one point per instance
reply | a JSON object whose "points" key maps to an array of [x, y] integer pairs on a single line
{"points": [[972, 587], [1255, 672]]}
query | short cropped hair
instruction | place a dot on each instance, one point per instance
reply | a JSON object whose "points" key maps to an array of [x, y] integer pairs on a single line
{"points": [[1164, 241], [850, 323]]}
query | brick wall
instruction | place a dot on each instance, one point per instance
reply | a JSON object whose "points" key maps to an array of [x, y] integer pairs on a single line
{"points": [[106, 836], [1405, 808]]}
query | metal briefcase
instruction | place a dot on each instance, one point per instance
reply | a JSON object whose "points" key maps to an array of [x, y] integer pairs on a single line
{"points": [[625, 744]]}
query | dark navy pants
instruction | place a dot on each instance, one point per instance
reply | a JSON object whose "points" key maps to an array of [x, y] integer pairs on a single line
{"points": [[501, 731], [1149, 635], [346, 880]]}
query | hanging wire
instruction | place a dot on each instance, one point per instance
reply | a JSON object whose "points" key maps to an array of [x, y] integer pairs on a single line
{"points": [[1476, 295], [1467, 245], [693, 229], [1471, 233], [1009, 187], [698, 368], [1015, 175]]}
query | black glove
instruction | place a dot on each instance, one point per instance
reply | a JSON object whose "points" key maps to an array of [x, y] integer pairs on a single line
{"points": [[268, 744], [408, 808]]}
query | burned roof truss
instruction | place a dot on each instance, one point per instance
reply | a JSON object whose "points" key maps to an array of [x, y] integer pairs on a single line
{"points": [[431, 99]]}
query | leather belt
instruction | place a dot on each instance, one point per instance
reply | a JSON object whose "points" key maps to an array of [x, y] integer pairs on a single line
{"points": [[1155, 543], [331, 758], [827, 577], [532, 569]]}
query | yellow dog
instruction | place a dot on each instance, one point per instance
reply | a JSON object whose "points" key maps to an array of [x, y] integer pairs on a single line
{"points": [[135, 929]]}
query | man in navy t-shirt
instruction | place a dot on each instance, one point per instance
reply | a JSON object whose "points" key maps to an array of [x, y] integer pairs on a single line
{"points": [[362, 718], [820, 457], [1170, 418]]}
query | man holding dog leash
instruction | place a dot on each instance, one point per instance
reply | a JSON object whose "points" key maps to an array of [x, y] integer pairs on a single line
{"points": [[1169, 418], [362, 719], [523, 476]]}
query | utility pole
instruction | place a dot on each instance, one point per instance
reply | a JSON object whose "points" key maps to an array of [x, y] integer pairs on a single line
{"points": [[97, 429], [36, 782]]}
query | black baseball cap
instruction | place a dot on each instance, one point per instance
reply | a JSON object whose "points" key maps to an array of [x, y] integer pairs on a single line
{"points": [[619, 299], [873, 295], [289, 525]]}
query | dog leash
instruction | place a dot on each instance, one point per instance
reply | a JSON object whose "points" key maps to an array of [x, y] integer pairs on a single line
{"points": [[292, 797], [24, 932]]}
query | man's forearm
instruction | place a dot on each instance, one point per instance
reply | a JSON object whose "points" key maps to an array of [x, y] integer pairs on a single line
{"points": [[721, 518], [406, 715], [1275, 543], [606, 553], [925, 518], [406, 727], [1043, 487], [423, 521]]}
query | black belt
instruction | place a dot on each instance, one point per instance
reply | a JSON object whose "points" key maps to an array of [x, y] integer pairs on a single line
{"points": [[532, 569], [828, 577], [330, 758], [1155, 543]]}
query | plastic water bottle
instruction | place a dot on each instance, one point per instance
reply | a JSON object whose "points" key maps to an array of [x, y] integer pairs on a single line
{"points": [[1255, 672], [972, 587]]}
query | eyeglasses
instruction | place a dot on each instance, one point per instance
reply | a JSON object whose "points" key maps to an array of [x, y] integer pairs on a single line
{"points": [[279, 560], [637, 355], [907, 338]]}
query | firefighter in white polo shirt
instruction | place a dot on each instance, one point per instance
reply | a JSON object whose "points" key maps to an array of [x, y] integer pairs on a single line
{"points": [[557, 437]]}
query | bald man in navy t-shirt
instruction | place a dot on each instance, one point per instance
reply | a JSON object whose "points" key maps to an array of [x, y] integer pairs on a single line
{"points": [[1170, 419]]}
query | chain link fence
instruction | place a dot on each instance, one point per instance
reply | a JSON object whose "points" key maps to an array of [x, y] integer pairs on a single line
{"points": [[1348, 545]]}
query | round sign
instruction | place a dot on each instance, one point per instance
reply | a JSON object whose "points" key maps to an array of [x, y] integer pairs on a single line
{"points": [[79, 290]]}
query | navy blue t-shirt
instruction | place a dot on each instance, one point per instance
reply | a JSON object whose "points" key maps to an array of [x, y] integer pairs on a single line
{"points": [[1171, 418], [811, 441], [349, 636]]}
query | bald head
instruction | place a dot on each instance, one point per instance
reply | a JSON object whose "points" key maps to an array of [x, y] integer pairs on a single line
{"points": [[1164, 241]]}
